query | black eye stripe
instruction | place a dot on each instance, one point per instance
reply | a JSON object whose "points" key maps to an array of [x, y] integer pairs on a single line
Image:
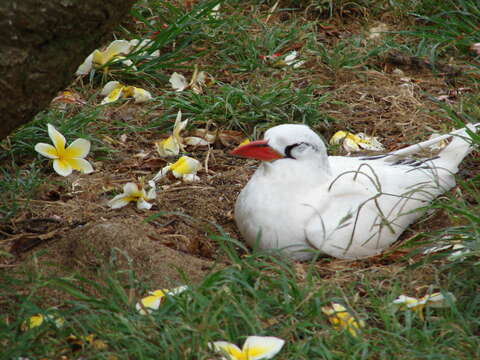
{"points": [[289, 148]]}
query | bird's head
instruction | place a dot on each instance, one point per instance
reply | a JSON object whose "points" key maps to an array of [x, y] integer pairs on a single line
{"points": [[283, 141]]}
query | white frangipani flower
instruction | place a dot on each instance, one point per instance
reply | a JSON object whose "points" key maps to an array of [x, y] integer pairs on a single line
{"points": [[185, 168], [197, 82], [133, 193], [65, 160], [434, 300], [154, 300], [254, 348], [356, 142], [116, 50], [114, 90]]}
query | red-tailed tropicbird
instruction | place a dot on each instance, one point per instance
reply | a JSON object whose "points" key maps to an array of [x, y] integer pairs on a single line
{"points": [[304, 202]]}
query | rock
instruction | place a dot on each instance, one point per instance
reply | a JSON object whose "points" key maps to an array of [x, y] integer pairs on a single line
{"points": [[43, 43]]}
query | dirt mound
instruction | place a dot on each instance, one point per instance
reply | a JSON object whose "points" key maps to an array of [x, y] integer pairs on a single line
{"points": [[127, 244]]}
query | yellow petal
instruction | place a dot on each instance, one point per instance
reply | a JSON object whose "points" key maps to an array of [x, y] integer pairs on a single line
{"points": [[338, 137], [340, 318], [168, 147], [244, 142], [185, 165], [109, 87], [228, 349], [57, 138], [77, 149], [46, 150], [150, 303], [62, 167], [98, 58], [34, 321], [81, 165], [261, 347], [113, 96], [159, 293]]}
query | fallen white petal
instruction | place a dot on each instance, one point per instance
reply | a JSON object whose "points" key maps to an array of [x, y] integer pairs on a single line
{"points": [[178, 82], [86, 66]]}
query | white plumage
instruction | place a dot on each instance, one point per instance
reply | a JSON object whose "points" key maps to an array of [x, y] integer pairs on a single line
{"points": [[305, 201]]}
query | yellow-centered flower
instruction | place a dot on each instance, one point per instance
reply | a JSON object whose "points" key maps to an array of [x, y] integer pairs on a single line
{"points": [[254, 348], [116, 50], [356, 142], [38, 319], [154, 300], [197, 82], [341, 319], [417, 305], [65, 160], [185, 168], [172, 145], [133, 193], [114, 90]]}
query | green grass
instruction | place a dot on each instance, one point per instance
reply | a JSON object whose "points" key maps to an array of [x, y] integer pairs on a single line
{"points": [[259, 293]]}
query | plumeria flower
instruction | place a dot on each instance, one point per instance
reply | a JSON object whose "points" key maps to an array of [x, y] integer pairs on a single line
{"points": [[356, 142], [341, 319], [435, 300], [153, 301], [133, 193], [197, 82], [185, 168], [254, 348], [175, 143], [172, 145], [38, 319], [65, 159], [116, 50], [290, 60], [114, 90]]}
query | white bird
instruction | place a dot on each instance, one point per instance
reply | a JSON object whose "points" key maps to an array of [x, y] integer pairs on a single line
{"points": [[304, 202]]}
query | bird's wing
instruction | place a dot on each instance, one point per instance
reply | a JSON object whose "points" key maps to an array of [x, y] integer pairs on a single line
{"points": [[363, 211]]}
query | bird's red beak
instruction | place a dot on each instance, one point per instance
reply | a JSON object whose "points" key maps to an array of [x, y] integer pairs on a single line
{"points": [[259, 150]]}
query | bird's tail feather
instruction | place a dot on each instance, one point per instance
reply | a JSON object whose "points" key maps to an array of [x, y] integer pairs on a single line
{"points": [[450, 157], [453, 154]]}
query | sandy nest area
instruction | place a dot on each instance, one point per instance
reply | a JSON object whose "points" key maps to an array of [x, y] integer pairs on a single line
{"points": [[70, 227]]}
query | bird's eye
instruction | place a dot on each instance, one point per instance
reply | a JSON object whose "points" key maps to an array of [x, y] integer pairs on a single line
{"points": [[288, 150]]}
